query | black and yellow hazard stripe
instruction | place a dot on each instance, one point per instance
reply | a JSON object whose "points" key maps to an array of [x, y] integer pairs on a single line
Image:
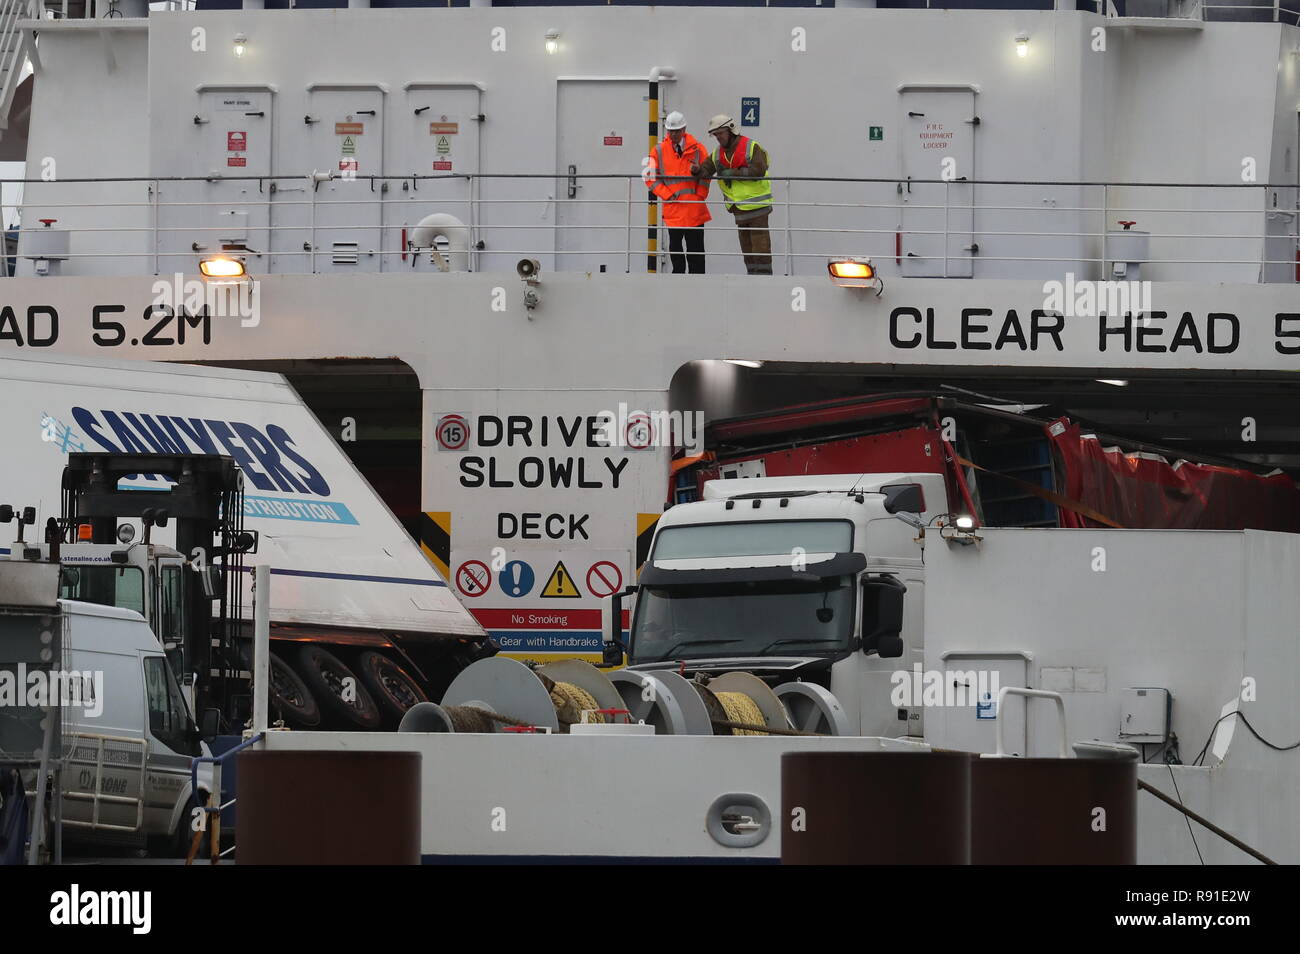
{"points": [[645, 531], [435, 540], [652, 203]]}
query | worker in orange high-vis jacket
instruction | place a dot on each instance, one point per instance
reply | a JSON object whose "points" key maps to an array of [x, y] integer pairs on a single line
{"points": [[681, 194]]}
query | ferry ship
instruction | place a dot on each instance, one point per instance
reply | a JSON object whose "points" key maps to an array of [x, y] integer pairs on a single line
{"points": [[437, 227]]}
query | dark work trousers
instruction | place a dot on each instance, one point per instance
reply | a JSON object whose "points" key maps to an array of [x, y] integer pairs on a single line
{"points": [[755, 240], [693, 260]]}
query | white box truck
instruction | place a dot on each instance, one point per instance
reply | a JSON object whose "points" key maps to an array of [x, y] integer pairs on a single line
{"points": [[362, 623]]}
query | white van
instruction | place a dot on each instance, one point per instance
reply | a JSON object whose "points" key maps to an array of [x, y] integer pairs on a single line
{"points": [[126, 774]]}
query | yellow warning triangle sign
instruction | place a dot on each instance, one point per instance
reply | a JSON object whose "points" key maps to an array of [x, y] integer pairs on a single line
{"points": [[560, 584]]}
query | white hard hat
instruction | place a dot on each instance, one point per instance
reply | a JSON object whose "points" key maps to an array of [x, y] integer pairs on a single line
{"points": [[722, 121], [675, 120]]}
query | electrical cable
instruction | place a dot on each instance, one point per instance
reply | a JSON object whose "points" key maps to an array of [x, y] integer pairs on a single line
{"points": [[1185, 818], [1199, 760]]}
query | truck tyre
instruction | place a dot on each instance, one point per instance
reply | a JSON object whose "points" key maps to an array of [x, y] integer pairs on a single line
{"points": [[294, 701], [326, 675], [390, 684]]}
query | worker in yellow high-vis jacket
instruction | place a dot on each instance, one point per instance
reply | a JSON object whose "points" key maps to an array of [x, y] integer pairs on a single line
{"points": [[740, 166]]}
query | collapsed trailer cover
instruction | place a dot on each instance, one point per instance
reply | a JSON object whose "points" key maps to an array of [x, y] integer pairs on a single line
{"points": [[1144, 490]]}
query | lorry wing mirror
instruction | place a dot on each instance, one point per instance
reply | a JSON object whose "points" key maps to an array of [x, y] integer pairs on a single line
{"points": [[210, 580], [611, 629], [904, 497], [882, 616], [211, 723]]}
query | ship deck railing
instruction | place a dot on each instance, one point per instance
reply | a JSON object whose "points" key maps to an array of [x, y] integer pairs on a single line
{"points": [[982, 228]]}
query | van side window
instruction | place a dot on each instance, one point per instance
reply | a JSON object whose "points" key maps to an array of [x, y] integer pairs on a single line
{"points": [[169, 719]]}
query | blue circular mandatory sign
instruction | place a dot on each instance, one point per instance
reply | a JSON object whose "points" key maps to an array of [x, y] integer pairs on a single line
{"points": [[516, 578]]}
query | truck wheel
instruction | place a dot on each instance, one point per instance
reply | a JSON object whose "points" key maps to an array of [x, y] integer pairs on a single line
{"points": [[327, 676], [294, 700], [390, 684]]}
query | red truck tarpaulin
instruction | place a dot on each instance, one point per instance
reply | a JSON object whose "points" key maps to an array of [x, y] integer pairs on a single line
{"points": [[1143, 490]]}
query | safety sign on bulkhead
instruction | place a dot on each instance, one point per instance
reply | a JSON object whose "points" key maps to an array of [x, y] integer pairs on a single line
{"points": [[473, 578], [444, 146], [516, 579], [349, 145], [560, 585], [452, 432], [604, 578]]}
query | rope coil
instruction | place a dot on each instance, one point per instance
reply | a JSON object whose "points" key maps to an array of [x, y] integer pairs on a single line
{"points": [[741, 708]]}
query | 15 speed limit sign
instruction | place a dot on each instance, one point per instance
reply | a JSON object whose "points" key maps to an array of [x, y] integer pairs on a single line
{"points": [[452, 432]]}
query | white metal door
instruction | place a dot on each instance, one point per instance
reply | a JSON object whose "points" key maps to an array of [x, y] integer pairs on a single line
{"points": [[973, 728], [347, 139], [442, 139], [937, 218], [234, 140], [601, 132]]}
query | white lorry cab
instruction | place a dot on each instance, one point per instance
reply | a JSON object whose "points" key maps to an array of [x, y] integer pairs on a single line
{"points": [[129, 741], [815, 580]]}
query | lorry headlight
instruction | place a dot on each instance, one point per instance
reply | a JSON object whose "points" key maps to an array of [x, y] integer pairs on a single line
{"points": [[125, 533]]}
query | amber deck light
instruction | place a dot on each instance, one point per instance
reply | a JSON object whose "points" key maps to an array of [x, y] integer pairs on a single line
{"points": [[852, 272], [221, 266]]}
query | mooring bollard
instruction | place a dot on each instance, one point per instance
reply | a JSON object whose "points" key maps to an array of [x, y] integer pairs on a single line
{"points": [[875, 808], [1071, 811], [328, 808]]}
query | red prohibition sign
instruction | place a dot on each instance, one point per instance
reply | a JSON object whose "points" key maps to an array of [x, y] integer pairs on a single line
{"points": [[452, 432], [604, 579], [473, 578], [640, 432]]}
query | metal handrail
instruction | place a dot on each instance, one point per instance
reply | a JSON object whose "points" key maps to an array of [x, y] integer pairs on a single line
{"points": [[618, 215], [1064, 751], [218, 761], [215, 806], [96, 796]]}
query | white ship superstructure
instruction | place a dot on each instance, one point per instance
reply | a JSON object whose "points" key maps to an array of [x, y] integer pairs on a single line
{"points": [[1063, 207]]}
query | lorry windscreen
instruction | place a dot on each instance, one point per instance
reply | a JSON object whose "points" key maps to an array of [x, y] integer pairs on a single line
{"points": [[108, 585], [743, 619], [753, 538]]}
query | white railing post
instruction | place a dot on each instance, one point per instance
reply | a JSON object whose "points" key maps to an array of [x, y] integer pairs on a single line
{"points": [[156, 199], [947, 190], [627, 267], [789, 249], [1105, 226], [261, 647]]}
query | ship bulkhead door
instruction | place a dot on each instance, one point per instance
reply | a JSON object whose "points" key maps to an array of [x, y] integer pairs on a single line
{"points": [[601, 132], [234, 141], [937, 219], [442, 140], [347, 139]]}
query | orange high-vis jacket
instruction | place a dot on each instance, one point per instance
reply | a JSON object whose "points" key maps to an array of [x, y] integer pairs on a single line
{"points": [[682, 196]]}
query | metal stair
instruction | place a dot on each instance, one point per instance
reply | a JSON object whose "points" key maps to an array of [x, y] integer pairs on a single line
{"points": [[13, 53]]}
